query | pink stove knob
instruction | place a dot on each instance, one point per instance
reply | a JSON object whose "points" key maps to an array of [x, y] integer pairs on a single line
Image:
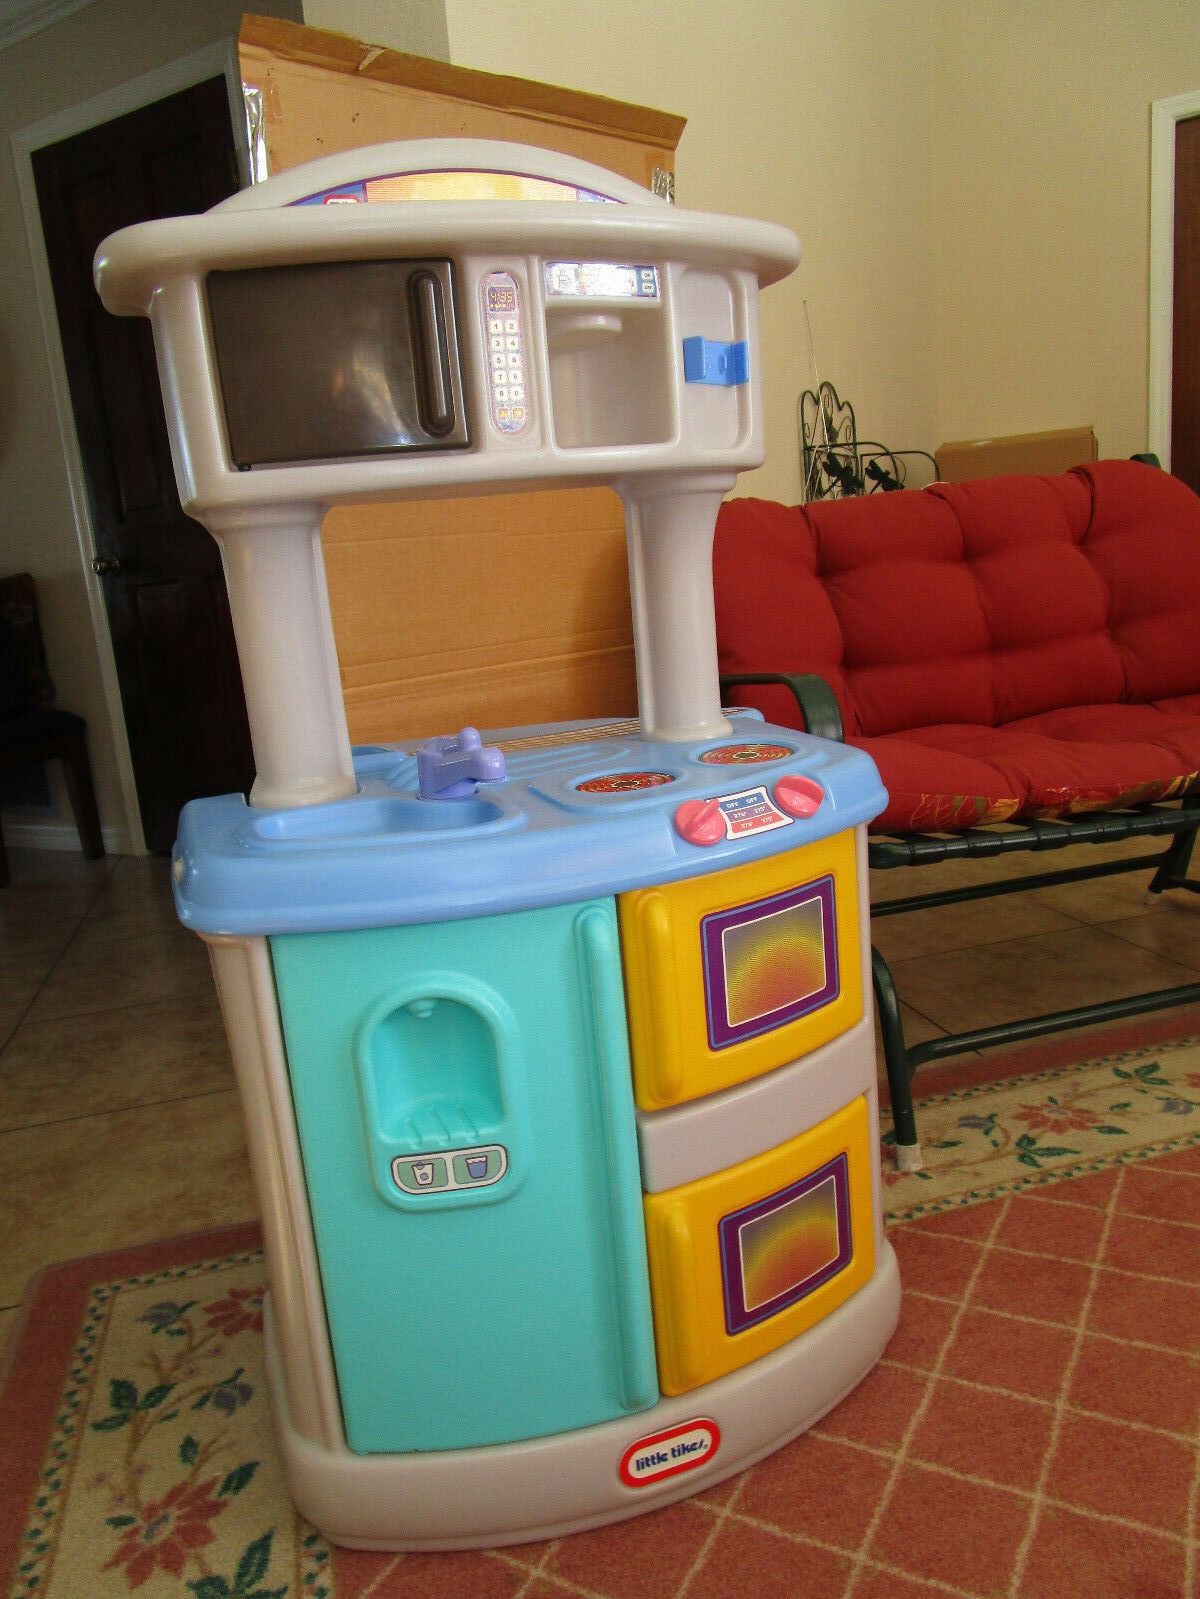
{"points": [[700, 821], [798, 796]]}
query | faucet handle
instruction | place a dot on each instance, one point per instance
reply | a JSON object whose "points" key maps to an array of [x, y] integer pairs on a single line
{"points": [[452, 765]]}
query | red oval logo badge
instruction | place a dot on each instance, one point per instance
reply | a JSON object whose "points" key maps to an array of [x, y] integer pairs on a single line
{"points": [[665, 1454]]}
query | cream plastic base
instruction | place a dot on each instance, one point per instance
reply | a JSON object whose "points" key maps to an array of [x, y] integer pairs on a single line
{"points": [[549, 1487]]}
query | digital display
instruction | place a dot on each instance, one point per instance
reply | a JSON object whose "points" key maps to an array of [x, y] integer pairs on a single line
{"points": [[501, 299], [600, 280]]}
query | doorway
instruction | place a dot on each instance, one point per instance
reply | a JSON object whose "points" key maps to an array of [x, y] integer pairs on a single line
{"points": [[1174, 130], [164, 593], [1185, 307]]}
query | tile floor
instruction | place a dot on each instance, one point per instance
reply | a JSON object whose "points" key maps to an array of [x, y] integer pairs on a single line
{"points": [[119, 1120]]}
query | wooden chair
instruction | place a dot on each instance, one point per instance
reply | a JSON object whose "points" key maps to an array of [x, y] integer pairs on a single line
{"points": [[32, 729]]}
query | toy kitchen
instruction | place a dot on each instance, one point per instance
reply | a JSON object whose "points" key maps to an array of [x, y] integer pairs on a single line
{"points": [[552, 1046]]}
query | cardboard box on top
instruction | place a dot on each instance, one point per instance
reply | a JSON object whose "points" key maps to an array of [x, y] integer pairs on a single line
{"points": [[1052, 452]]}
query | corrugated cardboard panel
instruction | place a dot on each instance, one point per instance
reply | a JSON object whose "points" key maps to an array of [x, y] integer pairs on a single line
{"points": [[324, 92], [1057, 451], [488, 612]]}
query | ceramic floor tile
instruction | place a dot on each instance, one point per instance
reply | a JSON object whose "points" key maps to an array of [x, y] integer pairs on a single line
{"points": [[986, 986], [113, 1059], [136, 900], [1173, 932], [81, 1187], [932, 932], [115, 973]]}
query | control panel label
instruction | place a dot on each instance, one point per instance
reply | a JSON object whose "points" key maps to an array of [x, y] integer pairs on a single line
{"points": [[666, 1453], [751, 811], [450, 1169], [504, 341]]}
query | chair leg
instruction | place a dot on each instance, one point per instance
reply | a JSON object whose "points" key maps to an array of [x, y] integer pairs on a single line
{"points": [[1173, 865], [899, 1066], [77, 770]]}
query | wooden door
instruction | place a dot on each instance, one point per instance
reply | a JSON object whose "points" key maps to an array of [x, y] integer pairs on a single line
{"points": [[164, 592], [1185, 340]]}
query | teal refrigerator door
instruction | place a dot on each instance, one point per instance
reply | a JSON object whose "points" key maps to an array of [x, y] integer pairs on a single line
{"points": [[465, 1111]]}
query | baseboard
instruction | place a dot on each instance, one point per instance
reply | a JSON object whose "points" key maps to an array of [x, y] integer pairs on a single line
{"points": [[26, 832]]}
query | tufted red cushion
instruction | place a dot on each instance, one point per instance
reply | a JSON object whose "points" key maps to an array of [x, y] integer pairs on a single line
{"points": [[1014, 646]]}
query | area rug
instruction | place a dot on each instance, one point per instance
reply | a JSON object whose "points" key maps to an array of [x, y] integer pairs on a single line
{"points": [[996, 1137], [1031, 1430]]}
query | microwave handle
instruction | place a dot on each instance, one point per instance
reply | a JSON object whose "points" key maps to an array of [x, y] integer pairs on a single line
{"points": [[431, 355]]}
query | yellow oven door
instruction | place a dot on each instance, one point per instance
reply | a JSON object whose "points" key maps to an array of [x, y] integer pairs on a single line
{"points": [[745, 1260], [733, 974]]}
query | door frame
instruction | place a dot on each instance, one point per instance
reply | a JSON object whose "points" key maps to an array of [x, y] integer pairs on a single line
{"points": [[217, 60], [1164, 114]]}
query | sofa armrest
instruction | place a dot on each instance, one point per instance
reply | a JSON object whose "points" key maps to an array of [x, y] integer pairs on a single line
{"points": [[818, 704]]}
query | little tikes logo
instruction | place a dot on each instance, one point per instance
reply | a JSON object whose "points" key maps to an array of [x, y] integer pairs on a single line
{"points": [[664, 1454]]}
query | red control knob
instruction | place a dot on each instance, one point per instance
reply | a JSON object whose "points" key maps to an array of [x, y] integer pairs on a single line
{"points": [[700, 821], [798, 796]]}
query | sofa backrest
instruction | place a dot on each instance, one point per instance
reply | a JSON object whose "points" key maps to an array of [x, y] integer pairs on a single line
{"points": [[976, 602]]}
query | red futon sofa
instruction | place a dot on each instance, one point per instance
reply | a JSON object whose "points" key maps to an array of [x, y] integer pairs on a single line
{"points": [[1019, 655]]}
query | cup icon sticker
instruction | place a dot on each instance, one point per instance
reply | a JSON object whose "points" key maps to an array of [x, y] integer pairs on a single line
{"points": [[422, 1171], [477, 1166]]}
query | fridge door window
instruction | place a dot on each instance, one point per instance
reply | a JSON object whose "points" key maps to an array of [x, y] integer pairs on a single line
{"points": [[745, 1260], [733, 974]]}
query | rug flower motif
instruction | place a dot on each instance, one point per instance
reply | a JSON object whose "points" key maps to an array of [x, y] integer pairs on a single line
{"points": [[161, 1427], [1001, 1137]]}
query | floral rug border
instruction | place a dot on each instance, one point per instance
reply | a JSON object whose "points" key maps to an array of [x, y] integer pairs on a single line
{"points": [[33, 1570], [1085, 1165]]}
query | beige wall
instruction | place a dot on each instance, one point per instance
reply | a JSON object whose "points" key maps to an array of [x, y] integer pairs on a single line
{"points": [[813, 114], [415, 26], [1041, 185], [969, 179]]}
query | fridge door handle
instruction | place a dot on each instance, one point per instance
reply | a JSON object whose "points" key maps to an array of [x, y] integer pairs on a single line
{"points": [[634, 1343]]}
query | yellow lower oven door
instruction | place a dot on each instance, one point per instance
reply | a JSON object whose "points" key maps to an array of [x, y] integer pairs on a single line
{"points": [[732, 974], [744, 1260]]}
